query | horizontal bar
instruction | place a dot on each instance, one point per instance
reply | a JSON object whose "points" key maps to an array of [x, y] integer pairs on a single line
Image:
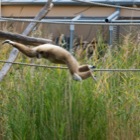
{"points": [[78, 22], [113, 16], [59, 67]]}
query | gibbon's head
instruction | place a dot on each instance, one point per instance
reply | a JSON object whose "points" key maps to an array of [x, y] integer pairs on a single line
{"points": [[7, 41]]}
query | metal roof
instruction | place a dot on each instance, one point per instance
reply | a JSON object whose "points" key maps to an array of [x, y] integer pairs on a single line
{"points": [[70, 2]]}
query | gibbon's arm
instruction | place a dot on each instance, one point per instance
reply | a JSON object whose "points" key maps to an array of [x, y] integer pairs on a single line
{"points": [[51, 52], [25, 50]]}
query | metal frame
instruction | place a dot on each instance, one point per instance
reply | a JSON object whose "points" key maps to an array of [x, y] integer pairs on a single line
{"points": [[113, 16], [111, 20]]}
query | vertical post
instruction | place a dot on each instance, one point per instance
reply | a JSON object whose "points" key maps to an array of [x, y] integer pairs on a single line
{"points": [[72, 27], [0, 11], [110, 35], [0, 8]]}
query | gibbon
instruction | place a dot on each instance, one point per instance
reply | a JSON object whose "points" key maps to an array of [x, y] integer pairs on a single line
{"points": [[58, 55]]}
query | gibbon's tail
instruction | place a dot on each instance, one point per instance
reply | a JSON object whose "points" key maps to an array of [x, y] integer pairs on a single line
{"points": [[24, 49]]}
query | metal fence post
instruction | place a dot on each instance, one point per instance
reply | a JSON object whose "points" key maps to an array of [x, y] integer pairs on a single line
{"points": [[72, 27], [110, 35]]}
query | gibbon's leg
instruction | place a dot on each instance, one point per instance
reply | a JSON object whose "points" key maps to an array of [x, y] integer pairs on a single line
{"points": [[85, 75], [79, 76], [76, 77], [84, 68], [78, 72], [73, 68], [88, 69], [73, 65]]}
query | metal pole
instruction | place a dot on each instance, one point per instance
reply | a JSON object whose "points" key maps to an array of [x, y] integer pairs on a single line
{"points": [[114, 15], [71, 36], [72, 28], [0, 8], [110, 35]]}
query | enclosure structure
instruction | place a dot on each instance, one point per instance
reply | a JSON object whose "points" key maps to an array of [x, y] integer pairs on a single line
{"points": [[77, 11]]}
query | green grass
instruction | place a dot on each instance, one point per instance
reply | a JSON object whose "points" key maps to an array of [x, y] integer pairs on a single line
{"points": [[46, 104]]}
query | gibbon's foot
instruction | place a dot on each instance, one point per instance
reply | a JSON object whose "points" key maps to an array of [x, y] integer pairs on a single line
{"points": [[7, 41], [94, 77], [76, 77], [91, 67]]}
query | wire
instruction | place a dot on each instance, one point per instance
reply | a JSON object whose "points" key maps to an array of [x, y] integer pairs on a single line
{"points": [[34, 65], [107, 5], [60, 67], [118, 70]]}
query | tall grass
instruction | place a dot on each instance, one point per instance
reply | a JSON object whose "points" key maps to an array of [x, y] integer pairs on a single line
{"points": [[46, 104]]}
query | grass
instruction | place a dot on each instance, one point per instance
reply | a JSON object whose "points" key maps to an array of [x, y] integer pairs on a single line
{"points": [[40, 104]]}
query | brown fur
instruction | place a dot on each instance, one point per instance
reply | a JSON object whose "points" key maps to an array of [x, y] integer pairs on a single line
{"points": [[57, 55]]}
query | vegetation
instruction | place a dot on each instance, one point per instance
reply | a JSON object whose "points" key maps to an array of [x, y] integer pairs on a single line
{"points": [[39, 104]]}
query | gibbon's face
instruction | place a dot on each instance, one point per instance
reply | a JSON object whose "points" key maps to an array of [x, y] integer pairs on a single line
{"points": [[40, 54]]}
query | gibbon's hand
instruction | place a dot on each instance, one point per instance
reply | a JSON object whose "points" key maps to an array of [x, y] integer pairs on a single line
{"points": [[7, 41]]}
